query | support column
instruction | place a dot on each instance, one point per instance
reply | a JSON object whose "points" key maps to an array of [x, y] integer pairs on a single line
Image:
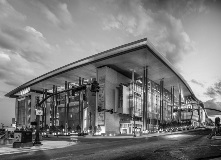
{"points": [[133, 87], [65, 108], [16, 112], [79, 107], [171, 101], [144, 101], [82, 106], [173, 96], [26, 110], [53, 106], [147, 100], [199, 112], [179, 110], [151, 106], [45, 108], [56, 105], [68, 103], [161, 99]]}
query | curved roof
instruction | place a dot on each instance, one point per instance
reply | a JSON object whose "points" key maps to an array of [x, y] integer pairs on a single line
{"points": [[135, 55]]}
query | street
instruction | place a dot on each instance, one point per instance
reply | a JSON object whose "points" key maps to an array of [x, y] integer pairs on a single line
{"points": [[184, 146]]}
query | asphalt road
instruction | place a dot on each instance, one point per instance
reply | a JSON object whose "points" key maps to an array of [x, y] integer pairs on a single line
{"points": [[185, 146]]}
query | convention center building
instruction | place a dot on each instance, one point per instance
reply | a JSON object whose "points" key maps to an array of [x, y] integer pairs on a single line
{"points": [[138, 90]]}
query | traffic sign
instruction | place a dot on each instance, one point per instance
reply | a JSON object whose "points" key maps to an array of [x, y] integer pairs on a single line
{"points": [[17, 137], [39, 112]]}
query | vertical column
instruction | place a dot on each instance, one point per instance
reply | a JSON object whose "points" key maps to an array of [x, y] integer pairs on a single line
{"points": [[65, 108], [43, 109], [82, 106], [173, 96], [199, 113], [25, 111], [16, 111], [144, 100], [171, 101], [55, 106], [151, 105], [161, 100], [179, 110], [79, 107], [45, 104], [133, 88], [147, 100], [68, 103]]}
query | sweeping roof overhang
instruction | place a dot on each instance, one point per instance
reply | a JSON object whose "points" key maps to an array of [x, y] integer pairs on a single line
{"points": [[123, 59]]}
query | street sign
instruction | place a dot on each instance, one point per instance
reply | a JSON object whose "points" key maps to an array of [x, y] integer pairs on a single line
{"points": [[39, 112], [17, 137]]}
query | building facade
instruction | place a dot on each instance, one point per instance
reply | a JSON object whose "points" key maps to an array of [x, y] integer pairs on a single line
{"points": [[139, 90]]}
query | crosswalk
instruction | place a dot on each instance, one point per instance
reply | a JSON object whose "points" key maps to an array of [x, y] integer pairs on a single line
{"points": [[10, 150]]}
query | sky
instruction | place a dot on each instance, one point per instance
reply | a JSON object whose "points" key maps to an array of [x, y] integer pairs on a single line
{"points": [[37, 36]]}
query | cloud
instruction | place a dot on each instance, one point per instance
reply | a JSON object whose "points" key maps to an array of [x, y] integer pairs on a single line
{"points": [[214, 91], [196, 82], [28, 42], [14, 70], [164, 30], [24, 51], [6, 11], [180, 9], [33, 32], [56, 12], [212, 105]]}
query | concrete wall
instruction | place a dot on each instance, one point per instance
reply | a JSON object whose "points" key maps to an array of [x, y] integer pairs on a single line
{"points": [[33, 103], [112, 80]]}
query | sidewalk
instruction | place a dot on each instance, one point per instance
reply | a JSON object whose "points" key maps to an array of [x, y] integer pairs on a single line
{"points": [[46, 145]]}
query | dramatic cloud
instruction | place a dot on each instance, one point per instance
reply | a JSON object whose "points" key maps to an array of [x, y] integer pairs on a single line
{"points": [[164, 31], [212, 105], [7, 11], [56, 12], [214, 91], [22, 49], [14, 69], [196, 82], [28, 42]]}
